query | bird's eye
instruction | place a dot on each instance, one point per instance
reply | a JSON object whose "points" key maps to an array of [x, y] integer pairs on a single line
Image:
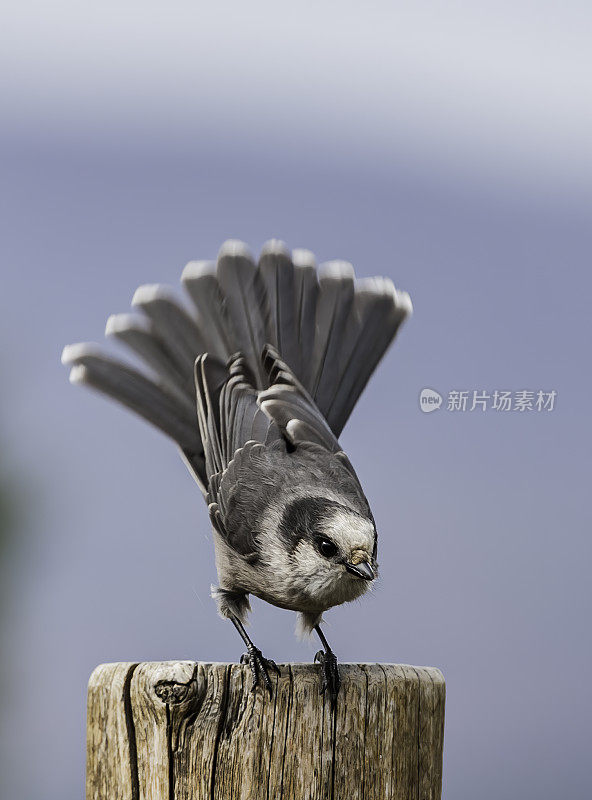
{"points": [[327, 548]]}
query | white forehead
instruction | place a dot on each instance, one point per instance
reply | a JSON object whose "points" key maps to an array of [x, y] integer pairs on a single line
{"points": [[349, 531]]}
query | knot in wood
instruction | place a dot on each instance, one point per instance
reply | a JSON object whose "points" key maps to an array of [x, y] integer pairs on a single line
{"points": [[171, 692]]}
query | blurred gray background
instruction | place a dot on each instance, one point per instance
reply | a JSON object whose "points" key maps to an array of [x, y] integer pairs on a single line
{"points": [[446, 145]]}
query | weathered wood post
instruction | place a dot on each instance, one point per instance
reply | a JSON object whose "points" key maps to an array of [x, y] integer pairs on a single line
{"points": [[193, 731]]}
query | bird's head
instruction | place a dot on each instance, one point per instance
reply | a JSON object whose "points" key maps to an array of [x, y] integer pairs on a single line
{"points": [[332, 546]]}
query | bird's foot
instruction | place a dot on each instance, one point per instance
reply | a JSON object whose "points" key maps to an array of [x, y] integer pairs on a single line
{"points": [[260, 667], [331, 681]]}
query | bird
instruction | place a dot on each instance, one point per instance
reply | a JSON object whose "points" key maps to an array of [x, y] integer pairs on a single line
{"points": [[254, 376]]}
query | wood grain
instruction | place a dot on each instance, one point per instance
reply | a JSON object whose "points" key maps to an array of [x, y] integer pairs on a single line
{"points": [[110, 745], [194, 731]]}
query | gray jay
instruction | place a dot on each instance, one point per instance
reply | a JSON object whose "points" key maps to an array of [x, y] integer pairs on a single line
{"points": [[254, 379]]}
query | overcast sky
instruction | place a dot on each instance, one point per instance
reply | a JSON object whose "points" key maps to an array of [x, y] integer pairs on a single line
{"points": [[498, 85]]}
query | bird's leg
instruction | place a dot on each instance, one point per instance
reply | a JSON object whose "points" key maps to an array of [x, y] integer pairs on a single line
{"points": [[328, 661], [259, 665]]}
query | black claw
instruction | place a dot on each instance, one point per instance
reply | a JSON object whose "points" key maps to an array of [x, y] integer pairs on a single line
{"points": [[330, 681], [259, 667]]}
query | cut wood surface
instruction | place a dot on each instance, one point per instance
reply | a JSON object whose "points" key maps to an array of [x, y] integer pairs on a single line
{"points": [[185, 730]]}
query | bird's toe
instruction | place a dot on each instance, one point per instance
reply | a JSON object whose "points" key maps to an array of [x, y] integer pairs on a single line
{"points": [[260, 667], [330, 680]]}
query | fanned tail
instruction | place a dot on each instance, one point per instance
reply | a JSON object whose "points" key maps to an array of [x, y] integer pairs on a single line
{"points": [[328, 328]]}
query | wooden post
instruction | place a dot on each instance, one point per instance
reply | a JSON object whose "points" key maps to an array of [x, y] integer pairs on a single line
{"points": [[193, 731]]}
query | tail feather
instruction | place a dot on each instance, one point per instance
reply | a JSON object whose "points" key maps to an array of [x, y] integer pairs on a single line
{"points": [[381, 311], [174, 325], [91, 367], [374, 319], [277, 271], [201, 283], [333, 312], [328, 328], [246, 304], [140, 335], [306, 289]]}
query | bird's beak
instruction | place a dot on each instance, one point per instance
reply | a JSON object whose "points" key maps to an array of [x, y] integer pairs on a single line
{"points": [[362, 570]]}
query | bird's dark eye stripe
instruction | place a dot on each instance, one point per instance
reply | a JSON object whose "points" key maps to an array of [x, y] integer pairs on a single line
{"points": [[302, 518]]}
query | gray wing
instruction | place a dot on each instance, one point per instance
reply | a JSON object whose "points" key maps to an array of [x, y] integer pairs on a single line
{"points": [[257, 443], [290, 406]]}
